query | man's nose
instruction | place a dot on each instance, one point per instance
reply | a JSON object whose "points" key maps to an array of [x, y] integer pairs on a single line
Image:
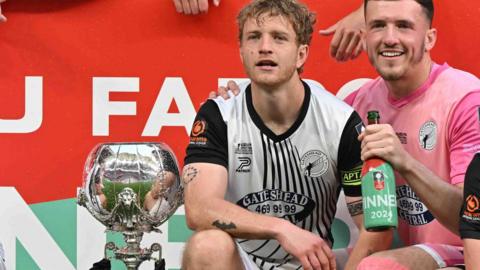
{"points": [[265, 45], [390, 36]]}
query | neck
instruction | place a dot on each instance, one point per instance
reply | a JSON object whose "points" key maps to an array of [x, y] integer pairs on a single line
{"points": [[412, 81], [278, 107]]}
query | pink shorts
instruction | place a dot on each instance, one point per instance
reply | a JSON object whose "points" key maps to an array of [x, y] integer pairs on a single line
{"points": [[444, 255]]}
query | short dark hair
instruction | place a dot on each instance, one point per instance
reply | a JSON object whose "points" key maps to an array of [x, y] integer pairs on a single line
{"points": [[427, 6], [298, 14]]}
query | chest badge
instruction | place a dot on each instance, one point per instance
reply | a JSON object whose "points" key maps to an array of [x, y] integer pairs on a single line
{"points": [[314, 163], [428, 135]]}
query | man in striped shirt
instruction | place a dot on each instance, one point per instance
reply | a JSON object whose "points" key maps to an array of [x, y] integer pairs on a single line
{"points": [[264, 169]]}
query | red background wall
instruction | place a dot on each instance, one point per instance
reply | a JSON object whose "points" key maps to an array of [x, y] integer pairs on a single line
{"points": [[69, 42]]}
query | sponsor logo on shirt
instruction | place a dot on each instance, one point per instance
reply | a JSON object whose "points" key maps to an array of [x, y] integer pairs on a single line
{"points": [[472, 208], [428, 135], [243, 149], [402, 136], [410, 208], [244, 166], [197, 135], [278, 203], [314, 163]]}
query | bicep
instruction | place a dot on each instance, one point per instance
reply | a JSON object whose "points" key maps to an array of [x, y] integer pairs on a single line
{"points": [[471, 251], [204, 180], [349, 162]]}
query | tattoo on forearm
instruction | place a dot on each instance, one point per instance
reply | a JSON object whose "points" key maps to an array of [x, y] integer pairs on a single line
{"points": [[189, 174], [223, 225], [355, 208]]}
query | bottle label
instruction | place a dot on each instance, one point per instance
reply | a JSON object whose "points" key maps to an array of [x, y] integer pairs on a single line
{"points": [[378, 180], [379, 196]]}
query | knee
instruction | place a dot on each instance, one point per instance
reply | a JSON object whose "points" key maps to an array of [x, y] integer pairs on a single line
{"points": [[380, 262], [205, 245]]}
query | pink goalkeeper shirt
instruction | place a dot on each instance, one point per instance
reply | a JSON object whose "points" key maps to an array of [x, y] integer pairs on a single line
{"points": [[438, 124]]}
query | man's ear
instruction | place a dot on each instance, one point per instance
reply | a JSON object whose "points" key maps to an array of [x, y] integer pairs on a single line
{"points": [[430, 39], [302, 55]]}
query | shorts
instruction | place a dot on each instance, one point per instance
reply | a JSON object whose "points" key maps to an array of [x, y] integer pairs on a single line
{"points": [[444, 255]]}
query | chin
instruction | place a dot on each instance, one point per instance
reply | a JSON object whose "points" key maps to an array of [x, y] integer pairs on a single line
{"points": [[389, 74]]}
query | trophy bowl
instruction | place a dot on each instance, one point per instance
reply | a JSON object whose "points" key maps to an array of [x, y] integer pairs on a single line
{"points": [[131, 188]]}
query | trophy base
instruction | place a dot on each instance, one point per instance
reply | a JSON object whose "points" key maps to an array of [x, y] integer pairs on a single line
{"points": [[132, 255]]}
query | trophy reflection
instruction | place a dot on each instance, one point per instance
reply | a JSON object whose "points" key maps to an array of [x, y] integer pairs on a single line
{"points": [[132, 188]]}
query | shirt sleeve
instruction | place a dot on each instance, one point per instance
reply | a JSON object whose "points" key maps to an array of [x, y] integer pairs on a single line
{"points": [[470, 213], [464, 135], [208, 138], [349, 162]]}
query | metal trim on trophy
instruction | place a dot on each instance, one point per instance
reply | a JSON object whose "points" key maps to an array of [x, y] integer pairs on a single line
{"points": [[132, 188]]}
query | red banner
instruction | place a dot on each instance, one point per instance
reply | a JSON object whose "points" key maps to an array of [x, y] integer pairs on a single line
{"points": [[64, 64]]}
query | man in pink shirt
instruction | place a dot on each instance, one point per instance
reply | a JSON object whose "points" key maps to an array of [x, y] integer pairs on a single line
{"points": [[430, 138], [431, 135]]}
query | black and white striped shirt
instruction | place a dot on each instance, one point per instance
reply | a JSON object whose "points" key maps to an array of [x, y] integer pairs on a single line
{"points": [[296, 175]]}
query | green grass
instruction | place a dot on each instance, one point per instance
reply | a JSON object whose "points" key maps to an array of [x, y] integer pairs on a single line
{"points": [[112, 189]]}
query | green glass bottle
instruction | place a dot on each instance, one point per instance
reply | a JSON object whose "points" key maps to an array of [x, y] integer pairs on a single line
{"points": [[378, 190]]}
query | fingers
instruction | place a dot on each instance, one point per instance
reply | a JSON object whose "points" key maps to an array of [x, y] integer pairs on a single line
{"points": [[194, 7], [330, 30], [344, 42], [358, 50], [203, 6], [186, 7], [178, 5], [330, 256], [377, 140], [322, 260], [212, 95], [233, 86], [350, 51], [314, 261], [2, 18], [223, 92], [335, 43], [350, 45], [305, 261]]}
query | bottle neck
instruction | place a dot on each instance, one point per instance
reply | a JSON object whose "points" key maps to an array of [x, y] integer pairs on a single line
{"points": [[373, 121]]}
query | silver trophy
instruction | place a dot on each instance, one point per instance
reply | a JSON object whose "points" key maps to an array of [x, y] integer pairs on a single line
{"points": [[132, 188]]}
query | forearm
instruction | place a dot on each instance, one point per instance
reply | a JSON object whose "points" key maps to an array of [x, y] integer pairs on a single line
{"points": [[367, 244], [233, 219], [443, 199]]}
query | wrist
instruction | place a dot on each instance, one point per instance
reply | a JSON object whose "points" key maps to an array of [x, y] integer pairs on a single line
{"points": [[280, 227], [406, 165]]}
